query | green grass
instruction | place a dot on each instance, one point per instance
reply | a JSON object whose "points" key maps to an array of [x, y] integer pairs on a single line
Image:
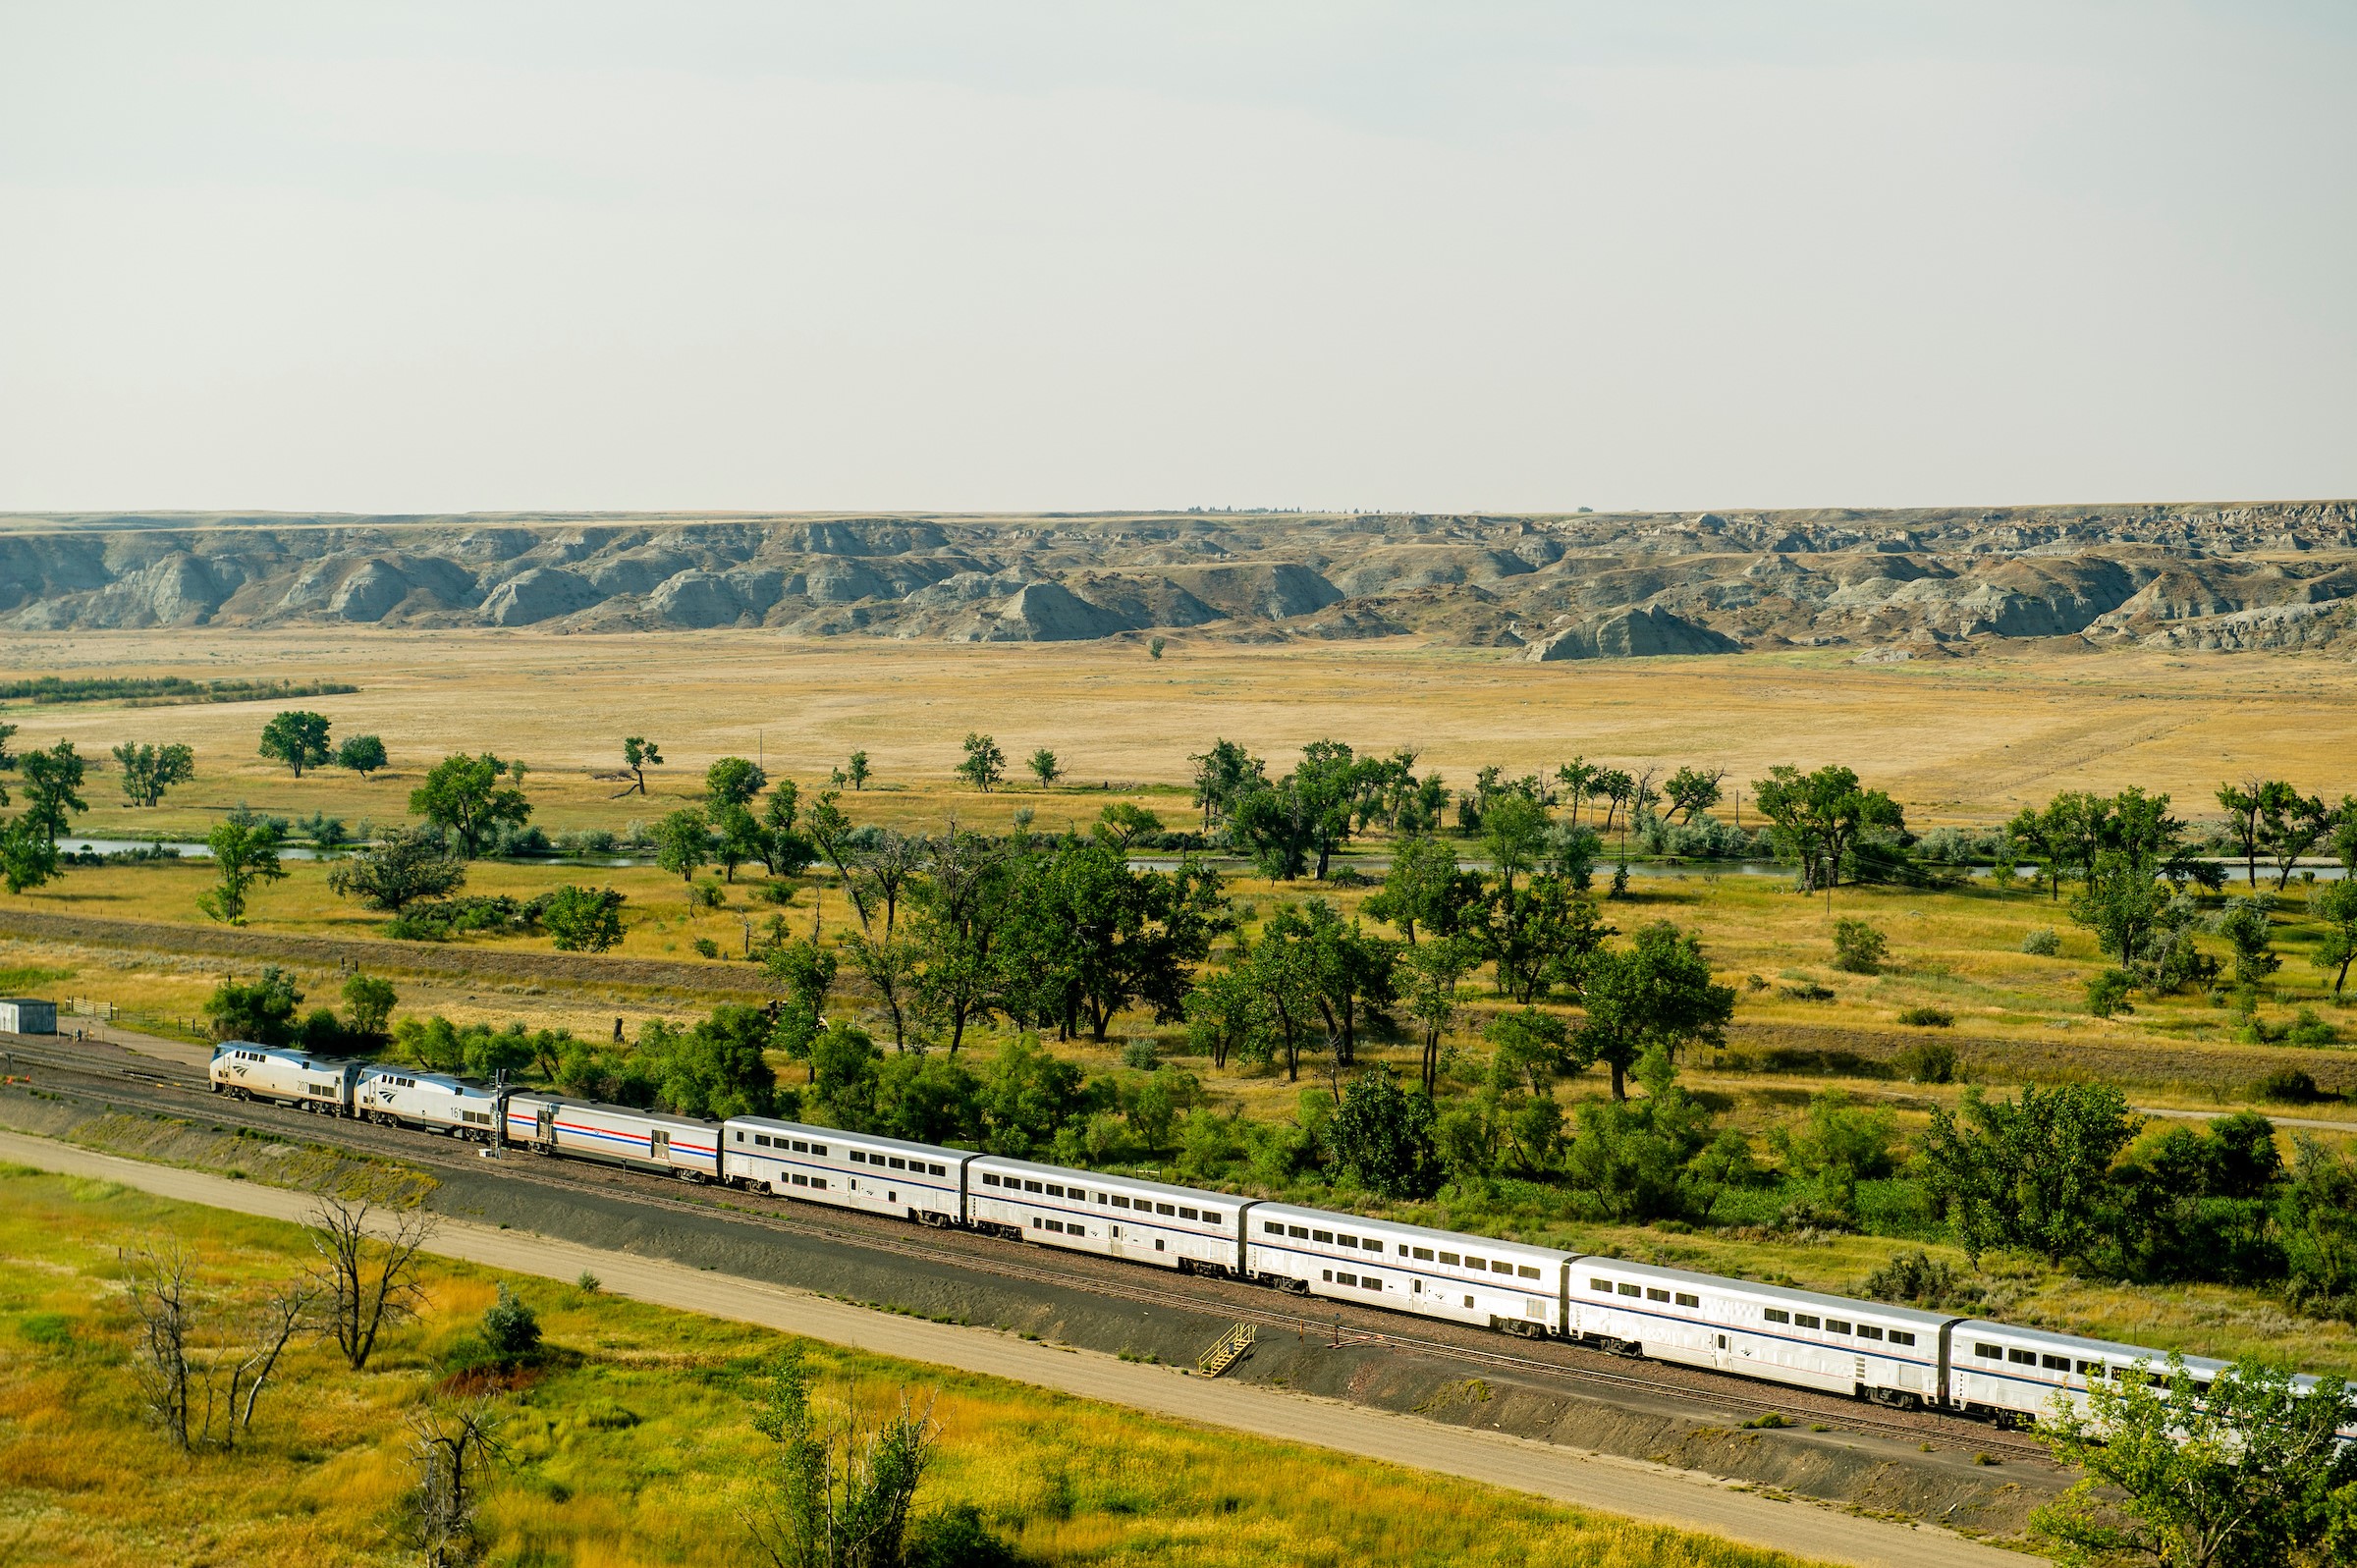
{"points": [[634, 1447]]}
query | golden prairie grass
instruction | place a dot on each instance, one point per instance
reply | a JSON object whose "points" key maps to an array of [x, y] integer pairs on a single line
{"points": [[636, 1448]]}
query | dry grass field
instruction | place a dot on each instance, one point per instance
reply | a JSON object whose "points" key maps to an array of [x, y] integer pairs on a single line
{"points": [[1966, 739], [634, 1444]]}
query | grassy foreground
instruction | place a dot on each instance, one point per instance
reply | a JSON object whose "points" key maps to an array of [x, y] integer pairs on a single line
{"points": [[631, 1447]]}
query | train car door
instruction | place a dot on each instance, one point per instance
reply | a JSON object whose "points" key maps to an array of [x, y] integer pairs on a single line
{"points": [[658, 1145], [1721, 1355], [544, 1124]]}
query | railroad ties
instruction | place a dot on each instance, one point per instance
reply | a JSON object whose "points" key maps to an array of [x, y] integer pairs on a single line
{"points": [[1230, 1348]]}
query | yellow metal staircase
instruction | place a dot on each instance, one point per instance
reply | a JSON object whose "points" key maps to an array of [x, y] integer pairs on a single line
{"points": [[1230, 1349]]}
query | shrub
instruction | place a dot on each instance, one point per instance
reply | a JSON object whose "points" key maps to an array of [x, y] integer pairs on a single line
{"points": [[706, 894], [2288, 1086], [706, 946], [1858, 947], [583, 919], [955, 1538], [2044, 941], [1932, 1061], [1808, 991], [1917, 1278], [1139, 1054], [2307, 1029], [1927, 1018], [2107, 992], [511, 1329], [261, 1009]]}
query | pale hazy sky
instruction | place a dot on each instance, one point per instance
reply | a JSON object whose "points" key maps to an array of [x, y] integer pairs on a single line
{"points": [[966, 254]]}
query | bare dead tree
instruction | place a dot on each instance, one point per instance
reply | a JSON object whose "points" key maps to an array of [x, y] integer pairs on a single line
{"points": [[452, 1449], [371, 1253], [163, 1297], [288, 1311]]}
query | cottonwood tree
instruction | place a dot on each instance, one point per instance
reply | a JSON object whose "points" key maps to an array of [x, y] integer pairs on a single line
{"points": [[1693, 792], [1044, 766], [463, 795], [1382, 1137], [363, 754], [2245, 1468], [1655, 994], [733, 781], [637, 755], [296, 737], [27, 858], [1425, 893], [1224, 775], [148, 769], [395, 872], [1121, 825], [244, 853], [985, 763], [837, 1488], [2336, 905], [682, 842], [453, 1448], [1432, 971], [583, 919], [2289, 826], [1820, 817], [372, 1253], [2030, 1172], [856, 771], [52, 789], [368, 1004]]}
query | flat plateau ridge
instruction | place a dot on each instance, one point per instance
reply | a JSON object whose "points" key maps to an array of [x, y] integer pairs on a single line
{"points": [[1893, 584]]}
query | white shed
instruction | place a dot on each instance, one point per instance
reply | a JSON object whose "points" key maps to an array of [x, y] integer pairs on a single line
{"points": [[27, 1016]]}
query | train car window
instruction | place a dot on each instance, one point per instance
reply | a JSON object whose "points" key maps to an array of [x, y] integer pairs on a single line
{"points": [[1188, 1214], [937, 1170], [2054, 1363], [1527, 1271], [1054, 1191], [1685, 1300], [1632, 1290], [1867, 1331], [1030, 1186], [800, 1146], [1449, 1258], [1342, 1279], [1212, 1217], [1652, 1294], [896, 1163], [1120, 1202], [1500, 1267], [1346, 1240], [1990, 1352], [1477, 1264], [1327, 1274], [859, 1158], [1369, 1282], [1835, 1326], [1104, 1198], [1165, 1209], [2021, 1358], [1273, 1227], [1900, 1336], [818, 1181], [989, 1180], [1603, 1288], [2091, 1368], [1297, 1233], [1036, 1224], [1468, 1301], [1326, 1236], [1423, 1254], [1804, 1321], [819, 1149]]}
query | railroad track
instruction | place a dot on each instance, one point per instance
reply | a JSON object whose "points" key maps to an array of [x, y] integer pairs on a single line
{"points": [[184, 1094]]}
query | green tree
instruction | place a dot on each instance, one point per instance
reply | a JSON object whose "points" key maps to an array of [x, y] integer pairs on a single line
{"points": [[985, 763], [961, 910], [1821, 818], [1425, 890], [583, 919], [1226, 1018], [2245, 1468], [2031, 1172], [2247, 809], [244, 853], [1692, 790], [260, 1011], [363, 754], [1272, 825], [2336, 905], [368, 1001], [1539, 935], [855, 770], [52, 789], [2290, 825], [28, 857], [1654, 994], [2248, 926], [1045, 768], [834, 1493], [737, 838], [1432, 971], [1350, 973], [296, 737], [463, 795], [1382, 1137], [1089, 937], [148, 769], [1027, 1097], [733, 781], [637, 755], [715, 1069], [394, 873], [1224, 775], [1836, 1145], [1858, 947], [682, 842]]}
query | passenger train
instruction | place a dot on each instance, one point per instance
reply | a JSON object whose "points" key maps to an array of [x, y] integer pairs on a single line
{"points": [[1893, 1356]]}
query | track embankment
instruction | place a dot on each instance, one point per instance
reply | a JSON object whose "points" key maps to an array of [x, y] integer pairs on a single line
{"points": [[1656, 1492], [384, 956]]}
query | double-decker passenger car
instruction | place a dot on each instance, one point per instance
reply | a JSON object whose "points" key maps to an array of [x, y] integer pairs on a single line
{"points": [[645, 1140], [1437, 1274], [288, 1076], [1888, 1354], [1114, 1217], [848, 1170], [433, 1101]]}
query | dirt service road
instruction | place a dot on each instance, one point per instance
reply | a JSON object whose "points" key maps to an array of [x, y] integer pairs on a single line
{"points": [[1675, 1497]]}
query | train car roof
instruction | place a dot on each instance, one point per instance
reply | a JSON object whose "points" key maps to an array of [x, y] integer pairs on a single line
{"points": [[441, 1080], [1459, 1239], [294, 1054], [666, 1118], [2112, 1352], [1852, 1306], [871, 1140], [1112, 1179]]}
